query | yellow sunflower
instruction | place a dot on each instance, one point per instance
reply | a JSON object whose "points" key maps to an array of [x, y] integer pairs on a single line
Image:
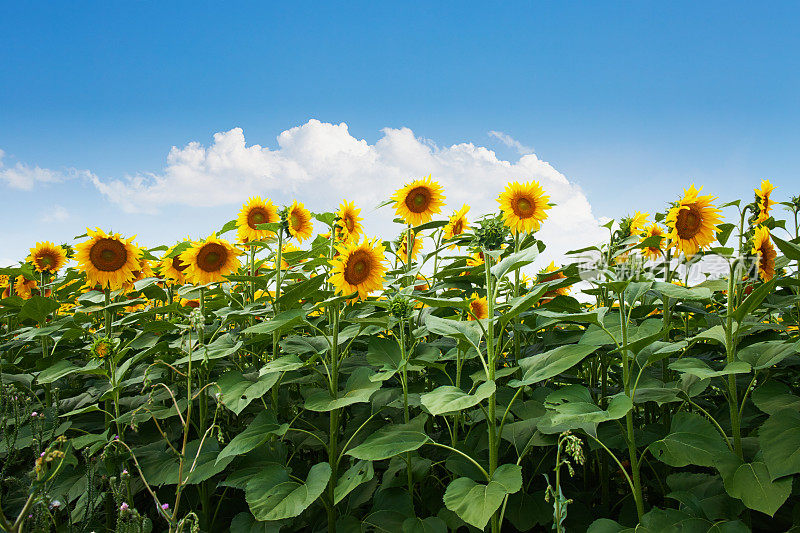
{"points": [[256, 211], [358, 267], [300, 225], [3, 281], [402, 250], [693, 222], [24, 287], [171, 268], [349, 223], [108, 259], [416, 202], [457, 224], [762, 246], [209, 261], [524, 206], [479, 308], [47, 257], [549, 274], [653, 252], [638, 220], [145, 271], [288, 247], [764, 201]]}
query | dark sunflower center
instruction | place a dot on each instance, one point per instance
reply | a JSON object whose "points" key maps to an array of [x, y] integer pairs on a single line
{"points": [[458, 227], [523, 207], [348, 221], [418, 199], [358, 267], [688, 223], [212, 257], [46, 261], [108, 255], [177, 265], [257, 216]]}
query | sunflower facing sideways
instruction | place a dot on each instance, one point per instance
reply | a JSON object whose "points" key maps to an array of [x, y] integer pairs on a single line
{"points": [[637, 222], [416, 202], [358, 267], [402, 248], [171, 268], [299, 221], [256, 211], [524, 206], [479, 308], [762, 246], [47, 257], [24, 287], [653, 252], [457, 224], [349, 223], [764, 201], [551, 273], [693, 222], [209, 261], [108, 259]]}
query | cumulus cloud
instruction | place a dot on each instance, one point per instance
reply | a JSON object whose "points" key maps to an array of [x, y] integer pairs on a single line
{"points": [[57, 213], [23, 176]]}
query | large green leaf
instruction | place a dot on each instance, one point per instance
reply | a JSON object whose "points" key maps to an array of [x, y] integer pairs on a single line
{"points": [[359, 389], [467, 331], [696, 367], [765, 354], [692, 440], [515, 261], [779, 437], [751, 483], [392, 440], [273, 496], [38, 308], [474, 502], [360, 472], [571, 407], [256, 433], [238, 390], [549, 364], [448, 399], [677, 292]]}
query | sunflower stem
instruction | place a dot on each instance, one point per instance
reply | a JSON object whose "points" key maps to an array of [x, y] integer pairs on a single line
{"points": [[491, 360], [516, 294], [275, 305]]}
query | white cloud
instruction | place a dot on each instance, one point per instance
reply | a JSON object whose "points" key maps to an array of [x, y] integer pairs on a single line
{"points": [[57, 213], [321, 163], [22, 176], [511, 142]]}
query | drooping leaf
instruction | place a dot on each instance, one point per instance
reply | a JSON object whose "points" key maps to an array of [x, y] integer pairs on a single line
{"points": [[692, 440], [779, 437], [448, 399], [359, 389], [256, 433], [474, 502], [549, 364], [273, 496], [238, 390], [392, 440], [360, 472]]}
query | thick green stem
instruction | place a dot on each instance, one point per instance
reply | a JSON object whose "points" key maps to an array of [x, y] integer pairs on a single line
{"points": [[730, 352], [333, 440], [491, 362]]}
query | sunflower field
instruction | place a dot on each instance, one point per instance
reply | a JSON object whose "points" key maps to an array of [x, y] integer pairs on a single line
{"points": [[290, 373]]}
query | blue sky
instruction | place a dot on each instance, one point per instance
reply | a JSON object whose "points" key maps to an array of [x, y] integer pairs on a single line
{"points": [[629, 101]]}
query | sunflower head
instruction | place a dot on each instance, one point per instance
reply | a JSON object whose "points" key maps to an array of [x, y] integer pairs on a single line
{"points": [[524, 206], [3, 281], [256, 211], [103, 347], [25, 287], [358, 267], [209, 261], [693, 222], [763, 200], [416, 202], [633, 225], [402, 247], [288, 247], [479, 307], [172, 268], [457, 224], [763, 248], [108, 259], [47, 257], [653, 252], [297, 221], [552, 273], [145, 271], [348, 224]]}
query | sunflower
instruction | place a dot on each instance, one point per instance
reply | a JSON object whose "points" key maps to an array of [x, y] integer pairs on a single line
{"points": [[416, 202], [47, 257], [693, 222], [358, 267], [209, 261], [194, 304], [762, 246], [171, 268], [299, 219], [476, 259], [24, 287], [457, 224], [256, 211], [524, 206], [402, 250], [3, 281], [653, 252], [108, 259], [479, 308], [145, 271], [764, 201], [637, 222], [549, 274], [349, 223], [288, 247]]}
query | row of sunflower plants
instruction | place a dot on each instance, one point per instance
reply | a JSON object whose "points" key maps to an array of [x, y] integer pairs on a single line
{"points": [[300, 381]]}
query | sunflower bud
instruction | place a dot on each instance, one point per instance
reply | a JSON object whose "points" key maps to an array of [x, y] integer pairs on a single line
{"points": [[400, 307], [491, 234], [103, 347]]}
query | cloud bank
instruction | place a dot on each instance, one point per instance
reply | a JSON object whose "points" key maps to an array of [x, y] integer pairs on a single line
{"points": [[24, 177]]}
